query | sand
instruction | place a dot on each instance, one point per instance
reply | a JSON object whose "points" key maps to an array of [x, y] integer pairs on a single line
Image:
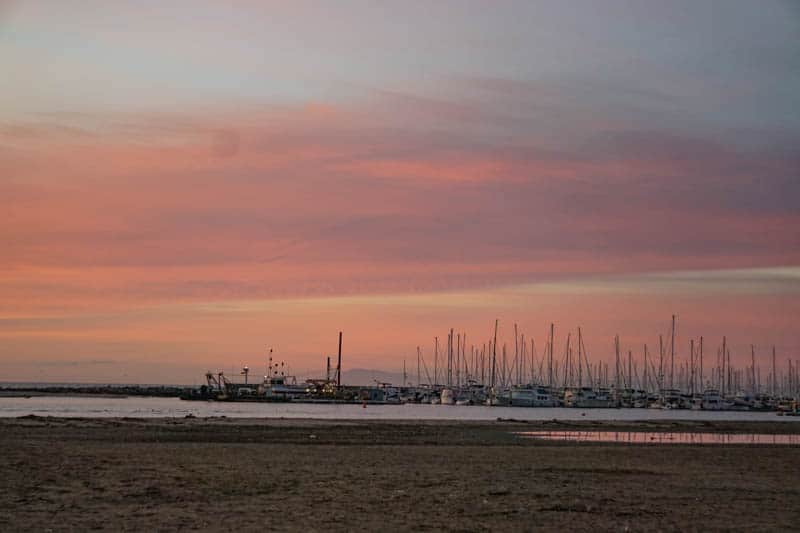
{"points": [[278, 475]]}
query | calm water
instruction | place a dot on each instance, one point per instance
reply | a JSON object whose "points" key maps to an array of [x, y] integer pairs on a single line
{"points": [[134, 406], [631, 437]]}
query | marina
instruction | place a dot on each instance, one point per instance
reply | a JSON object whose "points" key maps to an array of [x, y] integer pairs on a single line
{"points": [[492, 376], [546, 386]]}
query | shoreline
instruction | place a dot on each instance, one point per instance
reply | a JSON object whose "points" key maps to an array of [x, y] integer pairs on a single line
{"points": [[500, 424], [86, 406], [174, 474]]}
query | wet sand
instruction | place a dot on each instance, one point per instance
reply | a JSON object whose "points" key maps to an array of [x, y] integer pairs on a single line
{"points": [[245, 474]]}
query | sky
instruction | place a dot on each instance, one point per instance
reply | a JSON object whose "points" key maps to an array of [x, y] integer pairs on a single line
{"points": [[184, 185]]}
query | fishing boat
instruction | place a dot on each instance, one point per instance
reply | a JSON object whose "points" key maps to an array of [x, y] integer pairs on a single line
{"points": [[280, 387], [527, 396], [712, 401], [587, 397]]}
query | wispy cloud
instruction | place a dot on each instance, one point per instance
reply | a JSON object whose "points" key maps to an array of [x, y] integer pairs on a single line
{"points": [[321, 199]]}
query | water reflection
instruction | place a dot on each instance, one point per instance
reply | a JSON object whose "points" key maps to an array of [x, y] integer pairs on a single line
{"points": [[639, 437]]}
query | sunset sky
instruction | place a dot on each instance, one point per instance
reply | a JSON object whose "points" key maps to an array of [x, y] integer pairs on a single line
{"points": [[184, 186]]}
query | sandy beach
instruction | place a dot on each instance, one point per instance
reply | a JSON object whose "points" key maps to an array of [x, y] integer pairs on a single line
{"points": [[246, 474]]}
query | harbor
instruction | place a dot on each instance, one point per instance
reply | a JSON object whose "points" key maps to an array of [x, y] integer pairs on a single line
{"points": [[488, 376]]}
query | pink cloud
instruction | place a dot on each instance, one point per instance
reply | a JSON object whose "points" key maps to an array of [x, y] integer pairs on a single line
{"points": [[323, 200]]}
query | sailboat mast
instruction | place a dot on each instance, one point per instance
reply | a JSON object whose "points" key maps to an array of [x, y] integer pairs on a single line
{"points": [[419, 375], [450, 358], [730, 374], [691, 370], [458, 360], [672, 356], [774, 374], [482, 363], [550, 358], [494, 361], [630, 369], [616, 360], [722, 377], [580, 359], [660, 361], [567, 366], [436, 361], [702, 383], [516, 353]]}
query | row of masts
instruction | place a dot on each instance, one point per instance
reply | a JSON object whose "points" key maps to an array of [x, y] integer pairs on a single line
{"points": [[487, 364]]}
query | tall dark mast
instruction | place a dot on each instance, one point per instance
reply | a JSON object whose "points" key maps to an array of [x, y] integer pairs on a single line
{"points": [[339, 364], [494, 361], [672, 356], [550, 358]]}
